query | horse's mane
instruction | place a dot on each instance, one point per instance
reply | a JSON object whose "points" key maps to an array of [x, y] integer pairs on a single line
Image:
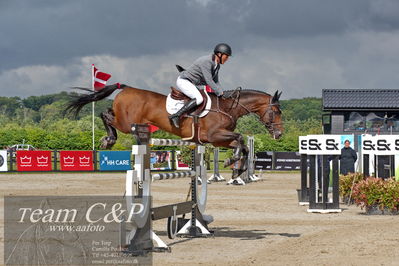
{"points": [[248, 90]]}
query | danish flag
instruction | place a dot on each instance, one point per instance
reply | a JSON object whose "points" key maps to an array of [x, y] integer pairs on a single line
{"points": [[99, 78]]}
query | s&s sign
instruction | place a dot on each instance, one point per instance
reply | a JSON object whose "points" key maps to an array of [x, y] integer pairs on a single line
{"points": [[380, 145], [320, 144]]}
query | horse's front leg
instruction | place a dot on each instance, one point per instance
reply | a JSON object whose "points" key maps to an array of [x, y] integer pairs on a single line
{"points": [[228, 139], [239, 159], [238, 146]]}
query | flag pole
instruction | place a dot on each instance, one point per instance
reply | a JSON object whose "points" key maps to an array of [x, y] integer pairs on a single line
{"points": [[92, 104]]}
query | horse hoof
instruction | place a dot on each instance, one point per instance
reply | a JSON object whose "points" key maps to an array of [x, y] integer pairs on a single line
{"points": [[103, 146], [107, 142]]}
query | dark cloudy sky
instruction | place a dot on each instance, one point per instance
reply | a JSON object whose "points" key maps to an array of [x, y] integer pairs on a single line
{"points": [[299, 46]]}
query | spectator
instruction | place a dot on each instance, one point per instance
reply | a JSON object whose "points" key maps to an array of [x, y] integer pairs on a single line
{"points": [[347, 159]]}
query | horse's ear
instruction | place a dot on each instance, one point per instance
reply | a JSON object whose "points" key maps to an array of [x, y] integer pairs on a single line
{"points": [[276, 96]]}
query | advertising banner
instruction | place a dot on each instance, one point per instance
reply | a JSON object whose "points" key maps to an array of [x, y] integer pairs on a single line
{"points": [[34, 161], [160, 160], [115, 160], [288, 161], [351, 139], [264, 160], [3, 161], [179, 163], [320, 144], [76, 160], [380, 144]]}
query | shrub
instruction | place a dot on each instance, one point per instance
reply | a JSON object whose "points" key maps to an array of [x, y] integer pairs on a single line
{"points": [[377, 192], [346, 183]]}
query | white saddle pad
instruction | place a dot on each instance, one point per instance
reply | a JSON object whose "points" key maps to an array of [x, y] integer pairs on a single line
{"points": [[172, 106]]}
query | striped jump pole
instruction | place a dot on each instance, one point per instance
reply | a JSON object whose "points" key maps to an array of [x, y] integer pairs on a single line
{"points": [[162, 176], [171, 142]]}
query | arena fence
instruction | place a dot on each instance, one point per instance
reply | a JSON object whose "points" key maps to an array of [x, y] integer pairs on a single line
{"points": [[96, 161]]}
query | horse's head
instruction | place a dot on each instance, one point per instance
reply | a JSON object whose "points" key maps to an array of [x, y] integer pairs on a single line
{"points": [[264, 105], [270, 115]]}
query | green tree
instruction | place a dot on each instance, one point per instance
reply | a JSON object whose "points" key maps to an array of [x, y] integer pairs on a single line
{"points": [[36, 102], [302, 109], [9, 106]]}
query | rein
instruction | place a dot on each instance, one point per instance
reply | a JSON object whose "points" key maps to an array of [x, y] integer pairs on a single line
{"points": [[220, 111], [236, 100], [228, 97], [269, 126]]}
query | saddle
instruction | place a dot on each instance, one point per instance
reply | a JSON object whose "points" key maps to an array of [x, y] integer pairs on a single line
{"points": [[179, 96]]}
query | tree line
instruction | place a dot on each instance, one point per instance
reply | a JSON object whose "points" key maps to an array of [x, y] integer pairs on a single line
{"points": [[41, 121]]}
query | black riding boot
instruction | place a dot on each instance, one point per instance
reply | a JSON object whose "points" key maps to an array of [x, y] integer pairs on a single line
{"points": [[175, 118]]}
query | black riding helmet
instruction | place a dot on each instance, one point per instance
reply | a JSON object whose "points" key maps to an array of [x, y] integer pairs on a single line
{"points": [[222, 48]]}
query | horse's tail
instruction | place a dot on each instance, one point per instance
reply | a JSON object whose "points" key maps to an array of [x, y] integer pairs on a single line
{"points": [[77, 102]]}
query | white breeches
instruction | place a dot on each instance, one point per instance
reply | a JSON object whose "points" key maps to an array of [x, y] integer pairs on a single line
{"points": [[189, 89]]}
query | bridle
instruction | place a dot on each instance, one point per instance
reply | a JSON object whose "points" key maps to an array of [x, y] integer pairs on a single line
{"points": [[269, 111], [269, 125]]}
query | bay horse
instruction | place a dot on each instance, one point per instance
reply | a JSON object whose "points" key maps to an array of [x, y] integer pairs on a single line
{"points": [[133, 105]]}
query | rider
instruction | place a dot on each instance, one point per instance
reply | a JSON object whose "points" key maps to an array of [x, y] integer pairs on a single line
{"points": [[204, 71]]}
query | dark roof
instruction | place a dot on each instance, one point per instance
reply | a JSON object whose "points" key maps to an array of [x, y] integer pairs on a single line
{"points": [[364, 99]]}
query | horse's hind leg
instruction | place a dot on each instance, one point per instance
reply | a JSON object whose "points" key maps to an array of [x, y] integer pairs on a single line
{"points": [[109, 140]]}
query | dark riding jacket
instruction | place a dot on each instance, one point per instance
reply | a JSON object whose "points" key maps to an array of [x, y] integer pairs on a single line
{"points": [[204, 71], [347, 160]]}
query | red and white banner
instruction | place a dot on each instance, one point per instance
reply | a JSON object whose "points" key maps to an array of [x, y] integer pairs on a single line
{"points": [[99, 78], [34, 161], [76, 161]]}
